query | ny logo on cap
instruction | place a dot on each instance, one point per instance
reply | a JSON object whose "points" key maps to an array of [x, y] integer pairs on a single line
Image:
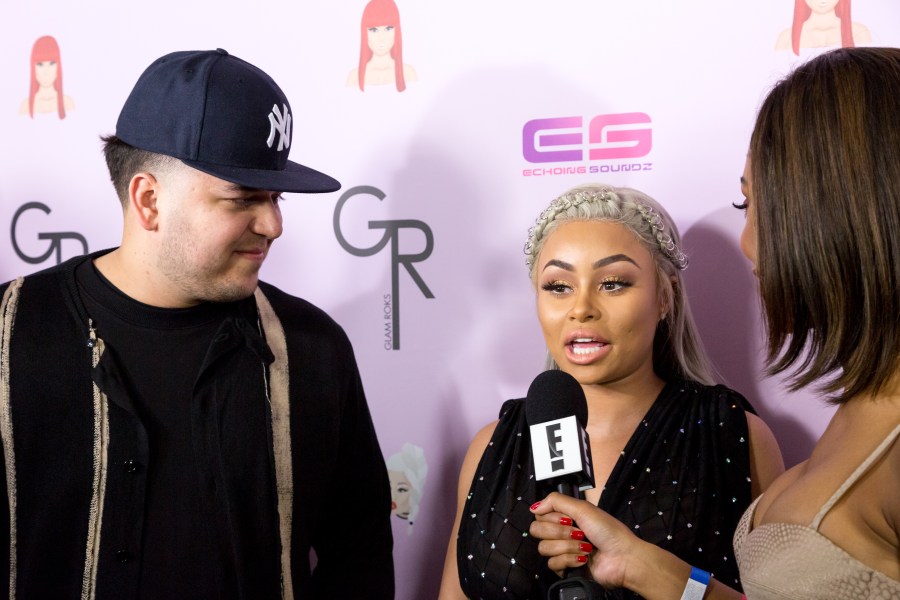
{"points": [[280, 121]]}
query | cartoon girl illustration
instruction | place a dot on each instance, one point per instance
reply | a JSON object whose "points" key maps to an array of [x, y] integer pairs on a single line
{"points": [[381, 49], [46, 95], [820, 24], [407, 471]]}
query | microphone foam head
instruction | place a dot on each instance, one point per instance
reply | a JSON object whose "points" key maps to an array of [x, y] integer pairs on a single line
{"points": [[555, 395]]}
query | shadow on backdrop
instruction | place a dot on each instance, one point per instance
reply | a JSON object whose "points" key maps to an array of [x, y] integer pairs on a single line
{"points": [[725, 301]]}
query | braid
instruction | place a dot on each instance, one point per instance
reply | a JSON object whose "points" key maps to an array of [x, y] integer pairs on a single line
{"points": [[584, 203], [666, 243]]}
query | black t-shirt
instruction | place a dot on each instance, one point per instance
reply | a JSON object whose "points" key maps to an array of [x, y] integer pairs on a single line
{"points": [[158, 354]]}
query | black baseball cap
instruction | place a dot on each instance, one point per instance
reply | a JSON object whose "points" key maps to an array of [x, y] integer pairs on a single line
{"points": [[220, 115]]}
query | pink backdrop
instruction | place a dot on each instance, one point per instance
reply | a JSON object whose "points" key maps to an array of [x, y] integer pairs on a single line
{"points": [[448, 159]]}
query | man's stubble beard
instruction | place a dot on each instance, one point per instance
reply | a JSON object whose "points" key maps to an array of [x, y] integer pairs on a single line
{"points": [[204, 283]]}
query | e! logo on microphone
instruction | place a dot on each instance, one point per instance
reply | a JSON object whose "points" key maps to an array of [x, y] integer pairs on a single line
{"points": [[391, 234], [557, 461], [562, 453], [56, 237]]}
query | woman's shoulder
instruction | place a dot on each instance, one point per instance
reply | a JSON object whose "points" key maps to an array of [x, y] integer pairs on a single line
{"points": [[512, 409], [509, 422], [717, 394], [716, 412], [737, 423]]}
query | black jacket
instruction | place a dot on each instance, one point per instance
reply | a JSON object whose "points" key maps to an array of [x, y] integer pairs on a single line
{"points": [[71, 443]]}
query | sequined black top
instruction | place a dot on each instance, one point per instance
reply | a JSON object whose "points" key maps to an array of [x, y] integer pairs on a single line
{"points": [[682, 483]]}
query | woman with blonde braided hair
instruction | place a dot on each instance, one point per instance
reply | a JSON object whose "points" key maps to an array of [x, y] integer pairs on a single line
{"points": [[676, 458], [679, 351]]}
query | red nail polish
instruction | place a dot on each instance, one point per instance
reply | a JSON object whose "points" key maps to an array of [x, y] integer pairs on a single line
{"points": [[535, 505], [565, 521], [577, 534], [582, 558], [585, 547]]}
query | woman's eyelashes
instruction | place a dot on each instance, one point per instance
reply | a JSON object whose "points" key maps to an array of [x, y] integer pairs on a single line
{"points": [[556, 287], [614, 284], [608, 284]]}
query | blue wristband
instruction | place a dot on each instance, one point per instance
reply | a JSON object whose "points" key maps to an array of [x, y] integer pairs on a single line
{"points": [[696, 585]]}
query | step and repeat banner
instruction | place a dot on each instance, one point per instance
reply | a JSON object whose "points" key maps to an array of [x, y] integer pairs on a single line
{"points": [[451, 125]]}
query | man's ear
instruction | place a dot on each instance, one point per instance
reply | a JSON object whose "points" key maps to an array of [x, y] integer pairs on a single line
{"points": [[143, 191]]}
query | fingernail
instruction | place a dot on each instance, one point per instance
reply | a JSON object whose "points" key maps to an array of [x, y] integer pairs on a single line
{"points": [[535, 505], [585, 547], [582, 558], [577, 534], [565, 521]]}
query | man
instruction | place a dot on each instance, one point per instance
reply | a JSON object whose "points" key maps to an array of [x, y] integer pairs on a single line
{"points": [[171, 426]]}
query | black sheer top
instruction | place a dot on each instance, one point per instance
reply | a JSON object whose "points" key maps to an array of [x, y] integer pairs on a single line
{"points": [[682, 483]]}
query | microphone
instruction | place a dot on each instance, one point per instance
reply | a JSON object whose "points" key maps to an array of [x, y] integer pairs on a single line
{"points": [[556, 413]]}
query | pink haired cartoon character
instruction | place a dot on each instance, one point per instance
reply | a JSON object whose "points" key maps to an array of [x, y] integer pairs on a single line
{"points": [[46, 92], [822, 24], [381, 49]]}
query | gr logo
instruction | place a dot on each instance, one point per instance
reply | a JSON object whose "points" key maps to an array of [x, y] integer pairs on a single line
{"points": [[55, 238], [392, 232], [607, 137]]}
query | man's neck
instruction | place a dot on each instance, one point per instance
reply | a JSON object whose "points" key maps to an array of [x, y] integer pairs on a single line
{"points": [[124, 269]]}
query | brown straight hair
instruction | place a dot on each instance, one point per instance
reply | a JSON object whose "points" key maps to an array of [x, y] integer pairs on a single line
{"points": [[825, 171]]}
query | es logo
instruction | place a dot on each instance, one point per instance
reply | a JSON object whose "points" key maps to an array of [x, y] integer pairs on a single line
{"points": [[606, 137], [392, 231], [55, 238]]}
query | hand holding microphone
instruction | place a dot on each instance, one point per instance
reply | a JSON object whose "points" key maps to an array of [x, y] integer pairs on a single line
{"points": [[620, 559], [556, 413], [616, 545]]}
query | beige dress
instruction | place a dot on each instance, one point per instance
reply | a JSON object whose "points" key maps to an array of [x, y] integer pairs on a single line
{"points": [[783, 561]]}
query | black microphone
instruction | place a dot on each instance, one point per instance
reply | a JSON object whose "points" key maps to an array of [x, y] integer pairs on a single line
{"points": [[556, 413]]}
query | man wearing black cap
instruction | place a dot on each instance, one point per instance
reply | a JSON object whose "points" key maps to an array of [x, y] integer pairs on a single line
{"points": [[172, 427]]}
